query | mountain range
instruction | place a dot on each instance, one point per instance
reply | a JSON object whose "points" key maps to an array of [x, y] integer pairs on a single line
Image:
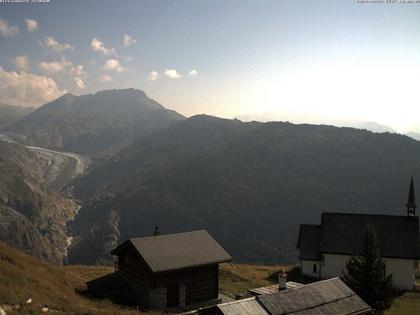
{"points": [[249, 183], [93, 124]]}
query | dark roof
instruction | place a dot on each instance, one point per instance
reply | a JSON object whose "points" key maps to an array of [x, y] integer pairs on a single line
{"points": [[330, 296], [178, 251], [308, 242], [339, 233]]}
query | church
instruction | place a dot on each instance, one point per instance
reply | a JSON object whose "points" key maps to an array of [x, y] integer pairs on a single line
{"points": [[324, 249]]}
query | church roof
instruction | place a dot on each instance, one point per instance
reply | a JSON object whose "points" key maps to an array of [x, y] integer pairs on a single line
{"points": [[177, 251], [309, 241], [339, 233]]}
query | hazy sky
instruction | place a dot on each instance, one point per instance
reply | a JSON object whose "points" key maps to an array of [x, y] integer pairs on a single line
{"points": [[315, 61]]}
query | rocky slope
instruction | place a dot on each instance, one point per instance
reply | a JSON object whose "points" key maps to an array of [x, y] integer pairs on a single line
{"points": [[33, 211], [249, 184], [93, 124]]}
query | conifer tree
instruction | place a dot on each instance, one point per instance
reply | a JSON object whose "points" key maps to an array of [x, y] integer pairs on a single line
{"points": [[365, 273]]}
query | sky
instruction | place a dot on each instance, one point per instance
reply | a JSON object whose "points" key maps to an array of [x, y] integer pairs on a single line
{"points": [[313, 61]]}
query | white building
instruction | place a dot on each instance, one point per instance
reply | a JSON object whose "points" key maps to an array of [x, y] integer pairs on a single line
{"points": [[326, 248]]}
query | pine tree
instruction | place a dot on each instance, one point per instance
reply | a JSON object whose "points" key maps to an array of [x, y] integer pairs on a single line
{"points": [[365, 273]]}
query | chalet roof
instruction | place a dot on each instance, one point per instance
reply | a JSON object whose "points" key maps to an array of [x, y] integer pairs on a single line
{"points": [[339, 233], [326, 297], [248, 306], [178, 251], [330, 296]]}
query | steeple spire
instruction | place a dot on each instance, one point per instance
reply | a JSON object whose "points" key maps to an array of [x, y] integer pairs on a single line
{"points": [[411, 204]]}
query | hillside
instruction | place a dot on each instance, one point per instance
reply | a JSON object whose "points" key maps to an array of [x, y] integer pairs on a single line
{"points": [[92, 124], [249, 184], [11, 114], [23, 277], [33, 212]]}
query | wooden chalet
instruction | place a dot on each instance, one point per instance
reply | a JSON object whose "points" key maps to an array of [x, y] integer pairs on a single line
{"points": [[172, 270]]}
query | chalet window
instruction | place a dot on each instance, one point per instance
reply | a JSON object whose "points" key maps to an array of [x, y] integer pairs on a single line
{"points": [[314, 268]]}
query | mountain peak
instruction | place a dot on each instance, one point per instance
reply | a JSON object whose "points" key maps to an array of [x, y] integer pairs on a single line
{"points": [[127, 91]]}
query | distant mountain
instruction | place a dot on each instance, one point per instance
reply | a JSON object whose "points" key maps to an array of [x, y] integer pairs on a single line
{"points": [[11, 114], [33, 215], [371, 126], [250, 184], [90, 124], [413, 135], [279, 116]]}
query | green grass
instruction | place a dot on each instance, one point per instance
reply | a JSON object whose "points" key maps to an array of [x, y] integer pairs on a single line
{"points": [[238, 278], [408, 303], [23, 277]]}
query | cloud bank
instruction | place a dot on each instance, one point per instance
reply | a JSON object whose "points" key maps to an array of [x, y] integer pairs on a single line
{"points": [[27, 89]]}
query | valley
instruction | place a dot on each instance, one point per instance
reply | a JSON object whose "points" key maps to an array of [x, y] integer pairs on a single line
{"points": [[49, 237], [235, 179]]}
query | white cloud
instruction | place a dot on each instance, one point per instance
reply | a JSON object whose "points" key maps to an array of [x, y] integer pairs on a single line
{"points": [[80, 83], [51, 43], [54, 66], [98, 46], [105, 78], [193, 73], [128, 40], [31, 25], [153, 76], [27, 89], [21, 62], [78, 74], [78, 71], [6, 29], [172, 73], [113, 65]]}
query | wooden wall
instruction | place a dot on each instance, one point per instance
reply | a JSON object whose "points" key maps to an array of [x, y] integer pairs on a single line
{"points": [[201, 283]]}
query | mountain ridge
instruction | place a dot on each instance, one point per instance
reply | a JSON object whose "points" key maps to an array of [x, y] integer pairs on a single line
{"points": [[91, 124], [250, 184]]}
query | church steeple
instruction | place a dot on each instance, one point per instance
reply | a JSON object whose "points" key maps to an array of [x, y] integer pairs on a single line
{"points": [[411, 204]]}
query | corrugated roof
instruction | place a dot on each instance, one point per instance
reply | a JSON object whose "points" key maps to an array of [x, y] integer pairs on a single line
{"points": [[398, 236], [273, 288], [177, 251], [248, 306], [330, 296], [309, 240]]}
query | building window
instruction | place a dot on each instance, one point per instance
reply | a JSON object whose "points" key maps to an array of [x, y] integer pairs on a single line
{"points": [[315, 268]]}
